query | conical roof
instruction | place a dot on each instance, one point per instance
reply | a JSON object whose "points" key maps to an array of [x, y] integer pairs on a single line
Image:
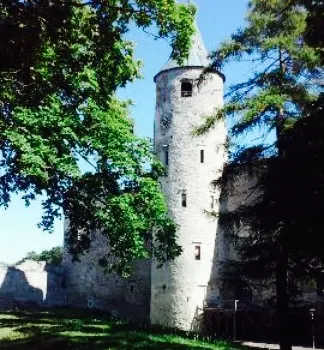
{"points": [[198, 55]]}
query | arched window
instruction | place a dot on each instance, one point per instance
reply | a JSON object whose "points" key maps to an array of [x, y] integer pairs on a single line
{"points": [[186, 88]]}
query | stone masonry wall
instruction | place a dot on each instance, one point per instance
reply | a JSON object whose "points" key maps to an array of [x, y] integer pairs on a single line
{"points": [[242, 190], [178, 289], [31, 284], [89, 287]]}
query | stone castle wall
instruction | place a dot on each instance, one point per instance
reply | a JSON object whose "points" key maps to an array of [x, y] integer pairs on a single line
{"points": [[243, 189], [31, 284], [89, 287]]}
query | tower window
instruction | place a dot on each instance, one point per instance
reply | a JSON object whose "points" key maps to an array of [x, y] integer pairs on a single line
{"points": [[202, 156], [197, 252], [186, 89], [212, 203], [184, 199]]}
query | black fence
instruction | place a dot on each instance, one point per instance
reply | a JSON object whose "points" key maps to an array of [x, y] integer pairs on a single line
{"points": [[261, 325]]}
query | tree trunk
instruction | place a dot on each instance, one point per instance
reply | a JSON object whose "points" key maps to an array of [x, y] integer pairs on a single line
{"points": [[282, 301], [282, 263]]}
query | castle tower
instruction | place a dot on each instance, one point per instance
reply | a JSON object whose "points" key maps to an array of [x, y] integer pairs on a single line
{"points": [[178, 288]]}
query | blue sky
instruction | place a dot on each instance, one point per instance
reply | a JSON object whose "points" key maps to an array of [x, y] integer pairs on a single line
{"points": [[217, 19]]}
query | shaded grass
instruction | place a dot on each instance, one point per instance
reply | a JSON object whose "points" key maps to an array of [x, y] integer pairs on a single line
{"points": [[72, 330]]}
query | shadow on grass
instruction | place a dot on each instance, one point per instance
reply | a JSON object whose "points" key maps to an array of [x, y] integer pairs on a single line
{"points": [[43, 330]]}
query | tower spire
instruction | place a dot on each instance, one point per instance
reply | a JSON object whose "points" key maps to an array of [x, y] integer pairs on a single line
{"points": [[198, 55]]}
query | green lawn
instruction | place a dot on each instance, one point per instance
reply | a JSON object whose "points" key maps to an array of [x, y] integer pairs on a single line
{"points": [[62, 330]]}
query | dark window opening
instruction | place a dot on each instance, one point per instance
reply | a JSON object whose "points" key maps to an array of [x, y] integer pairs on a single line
{"points": [[236, 241], [212, 203], [197, 252], [186, 89], [202, 156], [131, 288], [319, 286], [90, 303], [243, 292], [166, 157], [184, 199]]}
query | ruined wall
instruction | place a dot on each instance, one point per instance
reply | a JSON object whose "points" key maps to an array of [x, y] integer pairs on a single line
{"points": [[243, 189], [31, 284], [89, 287]]}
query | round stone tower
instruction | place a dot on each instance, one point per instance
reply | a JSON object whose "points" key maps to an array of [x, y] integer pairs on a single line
{"points": [[178, 289]]}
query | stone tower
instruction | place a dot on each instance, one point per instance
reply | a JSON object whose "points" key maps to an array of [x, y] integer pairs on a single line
{"points": [[178, 289]]}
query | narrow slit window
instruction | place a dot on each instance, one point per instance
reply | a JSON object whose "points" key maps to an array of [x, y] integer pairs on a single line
{"points": [[235, 241], [197, 252], [166, 154], [186, 89], [202, 156], [184, 199], [212, 202]]}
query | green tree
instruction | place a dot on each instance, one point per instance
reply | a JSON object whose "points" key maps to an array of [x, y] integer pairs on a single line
{"points": [[314, 29], [52, 256], [284, 83], [61, 64], [304, 170]]}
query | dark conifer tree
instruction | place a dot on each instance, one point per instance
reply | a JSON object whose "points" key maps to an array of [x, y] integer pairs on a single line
{"points": [[282, 87]]}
